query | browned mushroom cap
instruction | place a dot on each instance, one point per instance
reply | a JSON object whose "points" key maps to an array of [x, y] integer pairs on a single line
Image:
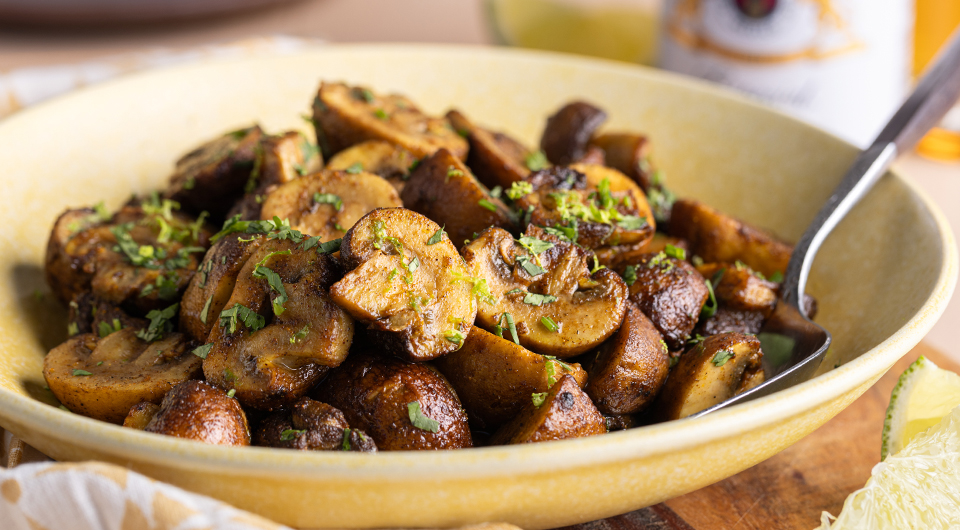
{"points": [[563, 412], [141, 258], [443, 188], [737, 287], [630, 367], [280, 159], [670, 292], [279, 331], [381, 158], [716, 237], [407, 283], [140, 415], [103, 377], [211, 177], [494, 377], [211, 288], [627, 153], [589, 212], [312, 426], [726, 320], [345, 116], [543, 286], [328, 203], [495, 158], [568, 132], [711, 372], [400, 405], [202, 412]]}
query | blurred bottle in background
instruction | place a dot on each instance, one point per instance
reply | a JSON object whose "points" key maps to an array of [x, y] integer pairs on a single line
{"points": [[936, 20], [843, 65], [625, 30]]}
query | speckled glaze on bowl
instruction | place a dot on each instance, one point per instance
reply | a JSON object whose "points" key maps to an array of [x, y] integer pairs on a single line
{"points": [[882, 280]]}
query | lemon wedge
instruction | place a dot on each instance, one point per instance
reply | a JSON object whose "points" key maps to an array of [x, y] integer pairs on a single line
{"points": [[917, 487], [924, 394], [613, 30]]}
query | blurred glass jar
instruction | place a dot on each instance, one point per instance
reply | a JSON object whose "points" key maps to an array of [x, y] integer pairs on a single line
{"points": [[625, 30], [936, 20], [840, 64]]}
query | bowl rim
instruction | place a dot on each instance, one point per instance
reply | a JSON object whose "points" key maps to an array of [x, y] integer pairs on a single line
{"points": [[637, 443]]}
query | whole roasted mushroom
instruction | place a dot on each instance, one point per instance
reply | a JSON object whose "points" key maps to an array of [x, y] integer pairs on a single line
{"points": [[196, 411], [568, 132]]}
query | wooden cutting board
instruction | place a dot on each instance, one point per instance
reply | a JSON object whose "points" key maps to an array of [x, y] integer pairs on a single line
{"points": [[790, 490]]}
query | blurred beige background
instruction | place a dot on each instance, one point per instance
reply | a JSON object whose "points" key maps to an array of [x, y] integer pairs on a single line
{"points": [[435, 21]]}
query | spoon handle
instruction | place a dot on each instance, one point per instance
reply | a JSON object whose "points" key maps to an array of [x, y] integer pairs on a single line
{"points": [[936, 93]]}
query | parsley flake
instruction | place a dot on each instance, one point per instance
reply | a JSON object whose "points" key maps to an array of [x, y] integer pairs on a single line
{"points": [[437, 236], [300, 335], [289, 434], [160, 323], [79, 372], [230, 318], [105, 328], [420, 420], [535, 245], [528, 265], [675, 252], [519, 189], [536, 161], [537, 299], [206, 309], [539, 398], [549, 324], [487, 205], [328, 198], [202, 351], [630, 274], [721, 358]]}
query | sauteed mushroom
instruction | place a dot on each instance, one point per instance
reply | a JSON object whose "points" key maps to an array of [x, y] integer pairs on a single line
{"points": [[379, 157], [312, 426], [563, 412], [196, 411]]}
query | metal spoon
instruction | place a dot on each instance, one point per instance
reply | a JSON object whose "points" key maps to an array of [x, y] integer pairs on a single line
{"points": [[796, 343]]}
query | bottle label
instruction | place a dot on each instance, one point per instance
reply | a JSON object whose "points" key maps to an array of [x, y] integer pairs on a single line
{"points": [[840, 64]]}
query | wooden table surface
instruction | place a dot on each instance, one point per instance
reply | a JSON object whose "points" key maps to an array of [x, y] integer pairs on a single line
{"points": [[791, 489]]}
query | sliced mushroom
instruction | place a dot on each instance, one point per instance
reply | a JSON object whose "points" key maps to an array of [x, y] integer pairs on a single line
{"points": [[495, 158], [592, 216], [280, 159], [718, 368], [345, 116], [211, 288], [564, 412], [381, 158], [494, 376], [630, 368], [670, 292], [716, 237], [568, 132], [619, 256], [280, 331], [401, 405], [140, 258], [196, 411], [543, 285], [328, 203], [140, 415], [212, 177], [443, 188], [312, 426], [104, 377], [628, 153], [407, 283], [737, 287]]}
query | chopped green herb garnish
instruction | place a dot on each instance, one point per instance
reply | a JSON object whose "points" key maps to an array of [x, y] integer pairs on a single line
{"points": [[330, 246], [382, 114], [537, 299], [536, 161], [487, 205], [230, 318], [454, 336], [202, 351], [420, 420], [519, 189], [232, 392], [300, 335], [72, 329], [721, 357], [289, 434], [354, 168], [596, 265], [630, 274], [160, 323], [528, 265], [105, 328], [480, 288], [539, 398], [366, 95], [776, 277], [345, 446], [675, 252], [437, 236], [328, 198], [496, 191], [564, 232], [79, 372], [535, 245], [549, 324], [453, 172], [273, 279], [206, 309]]}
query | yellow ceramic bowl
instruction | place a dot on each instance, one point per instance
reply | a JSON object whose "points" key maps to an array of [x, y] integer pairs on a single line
{"points": [[882, 279]]}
